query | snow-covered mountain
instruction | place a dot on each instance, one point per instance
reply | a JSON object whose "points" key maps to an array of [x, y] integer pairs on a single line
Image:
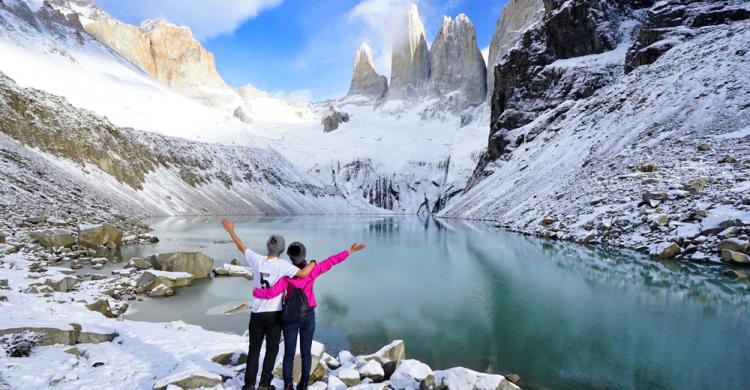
{"points": [[655, 159], [620, 122]]}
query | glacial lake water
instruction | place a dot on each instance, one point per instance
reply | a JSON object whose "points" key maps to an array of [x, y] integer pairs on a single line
{"points": [[560, 315]]}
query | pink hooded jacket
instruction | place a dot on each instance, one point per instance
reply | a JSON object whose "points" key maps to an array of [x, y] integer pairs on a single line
{"points": [[306, 283]]}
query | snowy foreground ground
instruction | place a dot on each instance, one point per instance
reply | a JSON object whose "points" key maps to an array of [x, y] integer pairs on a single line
{"points": [[91, 351]]}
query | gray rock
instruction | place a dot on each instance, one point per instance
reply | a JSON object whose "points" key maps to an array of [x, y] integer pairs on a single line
{"points": [[98, 277], [97, 236], [242, 115], [161, 291], [54, 238], [666, 251], [67, 334], [372, 370], [653, 199], [139, 263], [195, 263], [150, 279], [389, 357], [696, 185], [457, 64], [410, 61], [230, 358], [365, 79], [36, 219], [463, 378], [101, 306], [61, 283], [333, 118], [2, 238]]}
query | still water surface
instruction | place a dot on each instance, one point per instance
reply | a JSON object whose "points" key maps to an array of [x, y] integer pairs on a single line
{"points": [[561, 316]]}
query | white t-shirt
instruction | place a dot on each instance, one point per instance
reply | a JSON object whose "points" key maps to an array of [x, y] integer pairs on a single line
{"points": [[265, 274]]}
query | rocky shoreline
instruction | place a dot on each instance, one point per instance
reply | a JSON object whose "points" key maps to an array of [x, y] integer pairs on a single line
{"points": [[45, 264]]}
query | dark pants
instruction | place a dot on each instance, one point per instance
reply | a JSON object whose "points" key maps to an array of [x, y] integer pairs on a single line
{"points": [[306, 329], [263, 325]]}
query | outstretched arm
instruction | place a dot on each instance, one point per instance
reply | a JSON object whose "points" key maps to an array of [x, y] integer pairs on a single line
{"points": [[328, 263], [229, 227], [273, 291]]}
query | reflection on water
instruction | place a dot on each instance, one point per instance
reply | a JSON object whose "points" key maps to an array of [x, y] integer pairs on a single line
{"points": [[562, 316]]}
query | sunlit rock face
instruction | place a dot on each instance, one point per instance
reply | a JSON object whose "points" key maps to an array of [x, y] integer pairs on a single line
{"points": [[410, 63], [517, 16], [365, 79], [457, 64]]}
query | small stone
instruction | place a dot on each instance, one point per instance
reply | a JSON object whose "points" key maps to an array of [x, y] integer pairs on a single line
{"points": [[648, 168], [548, 221], [735, 274], [73, 351], [653, 199], [161, 291], [235, 261], [696, 185], [98, 277], [665, 251], [704, 147], [728, 160]]}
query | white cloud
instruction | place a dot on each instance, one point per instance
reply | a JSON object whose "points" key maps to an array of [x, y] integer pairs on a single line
{"points": [[206, 19]]}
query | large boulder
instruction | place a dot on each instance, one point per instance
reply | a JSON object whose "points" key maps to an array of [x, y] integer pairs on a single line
{"points": [[54, 238], [152, 278], [665, 251], [96, 236], [734, 257], [463, 378], [194, 263], [315, 372], [333, 118], [139, 263], [93, 334], [389, 356], [61, 282]]}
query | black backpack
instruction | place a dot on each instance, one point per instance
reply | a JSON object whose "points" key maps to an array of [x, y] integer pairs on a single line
{"points": [[296, 307]]}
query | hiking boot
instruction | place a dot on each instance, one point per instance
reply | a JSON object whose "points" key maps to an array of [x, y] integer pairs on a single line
{"points": [[269, 387], [248, 387], [302, 386], [289, 387]]}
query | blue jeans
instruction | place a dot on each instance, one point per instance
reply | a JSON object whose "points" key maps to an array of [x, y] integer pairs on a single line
{"points": [[305, 329]]}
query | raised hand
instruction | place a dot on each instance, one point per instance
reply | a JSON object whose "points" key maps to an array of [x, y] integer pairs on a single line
{"points": [[356, 248], [228, 225]]}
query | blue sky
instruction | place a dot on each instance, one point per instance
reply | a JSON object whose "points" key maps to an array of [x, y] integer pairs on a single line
{"points": [[299, 48]]}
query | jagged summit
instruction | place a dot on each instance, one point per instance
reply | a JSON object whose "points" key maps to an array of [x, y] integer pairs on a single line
{"points": [[457, 64], [365, 79], [410, 63], [517, 16]]}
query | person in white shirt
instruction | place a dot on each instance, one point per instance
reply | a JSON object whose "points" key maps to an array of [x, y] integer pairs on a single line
{"points": [[265, 316]]}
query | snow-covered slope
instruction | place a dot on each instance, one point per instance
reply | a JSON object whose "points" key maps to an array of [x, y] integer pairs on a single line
{"points": [[43, 47], [654, 157], [152, 173]]}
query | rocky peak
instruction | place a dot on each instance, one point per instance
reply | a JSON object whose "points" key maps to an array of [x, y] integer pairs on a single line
{"points": [[365, 79], [410, 63], [518, 15], [457, 64]]}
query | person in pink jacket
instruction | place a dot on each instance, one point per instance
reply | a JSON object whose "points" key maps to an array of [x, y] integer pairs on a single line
{"points": [[303, 325]]}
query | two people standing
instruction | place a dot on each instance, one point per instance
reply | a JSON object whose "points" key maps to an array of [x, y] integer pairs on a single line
{"points": [[272, 277]]}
